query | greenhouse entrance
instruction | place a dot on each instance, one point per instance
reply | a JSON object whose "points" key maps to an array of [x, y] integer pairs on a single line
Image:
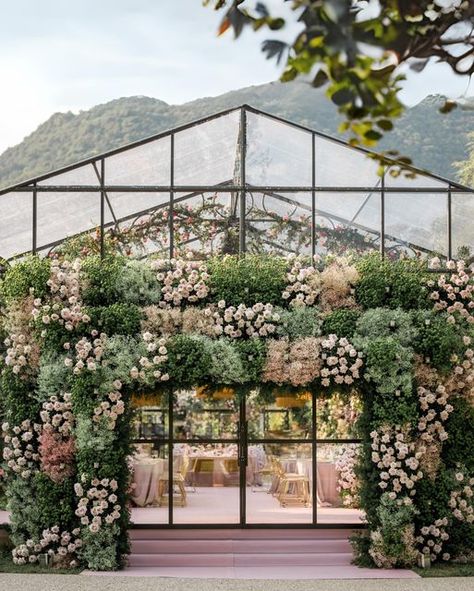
{"points": [[285, 462]]}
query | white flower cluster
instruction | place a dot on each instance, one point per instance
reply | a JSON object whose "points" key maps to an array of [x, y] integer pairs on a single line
{"points": [[151, 366], [57, 414], [439, 8], [436, 411], [111, 408], [20, 450], [347, 483], [454, 294], [61, 546], [432, 538], [341, 361], [97, 504], [65, 307], [18, 351], [88, 354], [464, 370], [398, 461], [461, 500], [303, 284], [181, 281], [258, 321]]}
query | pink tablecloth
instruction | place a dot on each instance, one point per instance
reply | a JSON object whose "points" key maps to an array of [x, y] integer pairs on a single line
{"points": [[146, 474]]}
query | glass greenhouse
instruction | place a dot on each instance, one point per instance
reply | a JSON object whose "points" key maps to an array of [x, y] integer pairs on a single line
{"points": [[238, 181]]}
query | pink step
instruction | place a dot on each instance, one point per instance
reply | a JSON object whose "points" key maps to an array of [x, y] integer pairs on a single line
{"points": [[239, 546], [223, 559], [239, 534]]}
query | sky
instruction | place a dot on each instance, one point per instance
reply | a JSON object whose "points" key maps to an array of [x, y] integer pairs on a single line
{"points": [[69, 55]]}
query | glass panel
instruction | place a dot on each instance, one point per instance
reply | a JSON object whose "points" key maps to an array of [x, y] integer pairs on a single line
{"points": [[15, 224], [287, 417], [147, 164], [62, 215], [199, 417], [206, 154], [336, 415], [279, 483], [82, 175], [337, 486], [462, 228], [149, 495], [347, 221], [278, 222], [206, 484], [338, 165], [206, 223], [277, 153], [417, 181], [150, 424], [416, 224]]}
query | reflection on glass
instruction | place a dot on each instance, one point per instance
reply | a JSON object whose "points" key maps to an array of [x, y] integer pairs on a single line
{"points": [[150, 423], [337, 414], [279, 483], [149, 474], [206, 481], [199, 416], [287, 417]]}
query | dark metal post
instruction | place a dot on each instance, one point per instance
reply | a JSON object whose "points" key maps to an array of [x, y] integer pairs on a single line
{"points": [[243, 459], [35, 220], [102, 208], [314, 456], [170, 455], [171, 210], [450, 221], [382, 217], [313, 195], [243, 154]]}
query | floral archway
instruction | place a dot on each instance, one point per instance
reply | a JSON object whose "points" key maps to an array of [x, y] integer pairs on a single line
{"points": [[82, 336]]}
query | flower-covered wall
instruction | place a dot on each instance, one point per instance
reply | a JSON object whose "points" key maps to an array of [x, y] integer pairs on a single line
{"points": [[80, 336]]}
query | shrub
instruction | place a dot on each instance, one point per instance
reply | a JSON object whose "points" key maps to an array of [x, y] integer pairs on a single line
{"points": [[189, 360], [437, 339], [137, 284], [29, 274], [299, 322], [117, 319], [383, 322], [341, 322], [100, 278]]}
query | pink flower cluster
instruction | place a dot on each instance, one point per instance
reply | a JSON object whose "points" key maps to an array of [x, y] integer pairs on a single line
{"points": [[151, 366], [88, 354], [61, 546], [461, 500], [57, 455], [97, 503], [431, 539], [347, 483], [397, 459], [57, 414], [295, 362], [454, 294], [181, 281], [20, 450], [65, 305], [341, 361], [111, 408], [303, 284], [18, 352], [258, 321], [436, 412]]}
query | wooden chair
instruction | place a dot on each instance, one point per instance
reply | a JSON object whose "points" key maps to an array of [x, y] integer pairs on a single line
{"points": [[293, 488], [179, 479]]}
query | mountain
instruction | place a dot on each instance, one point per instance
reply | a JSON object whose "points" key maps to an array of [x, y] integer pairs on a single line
{"points": [[434, 141]]}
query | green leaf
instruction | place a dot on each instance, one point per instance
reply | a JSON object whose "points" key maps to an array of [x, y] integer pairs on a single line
{"points": [[320, 79]]}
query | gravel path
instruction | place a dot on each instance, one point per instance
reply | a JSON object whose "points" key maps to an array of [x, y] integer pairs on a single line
{"points": [[14, 582]]}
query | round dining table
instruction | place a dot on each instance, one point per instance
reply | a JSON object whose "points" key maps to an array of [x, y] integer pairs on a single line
{"points": [[146, 474]]}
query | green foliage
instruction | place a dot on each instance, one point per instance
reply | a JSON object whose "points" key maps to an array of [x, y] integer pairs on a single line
{"points": [[17, 398], [341, 322], [101, 278], [53, 376], [121, 353], [137, 284], [28, 276], [117, 319], [189, 360], [383, 283], [247, 280], [99, 550], [460, 443], [253, 354], [383, 322], [437, 339], [299, 322], [226, 365]]}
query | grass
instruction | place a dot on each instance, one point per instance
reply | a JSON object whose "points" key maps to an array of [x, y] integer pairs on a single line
{"points": [[447, 570], [7, 566]]}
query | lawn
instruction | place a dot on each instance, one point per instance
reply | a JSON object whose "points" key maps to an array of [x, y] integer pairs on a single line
{"points": [[447, 570]]}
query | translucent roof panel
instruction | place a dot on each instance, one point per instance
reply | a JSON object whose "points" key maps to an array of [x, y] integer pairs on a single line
{"points": [[146, 164], [61, 215], [357, 209], [462, 226], [119, 206], [338, 165], [417, 220], [207, 154], [82, 175], [16, 222], [416, 181], [277, 153]]}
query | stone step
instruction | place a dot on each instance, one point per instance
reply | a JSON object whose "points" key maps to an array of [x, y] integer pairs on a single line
{"points": [[138, 533]]}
